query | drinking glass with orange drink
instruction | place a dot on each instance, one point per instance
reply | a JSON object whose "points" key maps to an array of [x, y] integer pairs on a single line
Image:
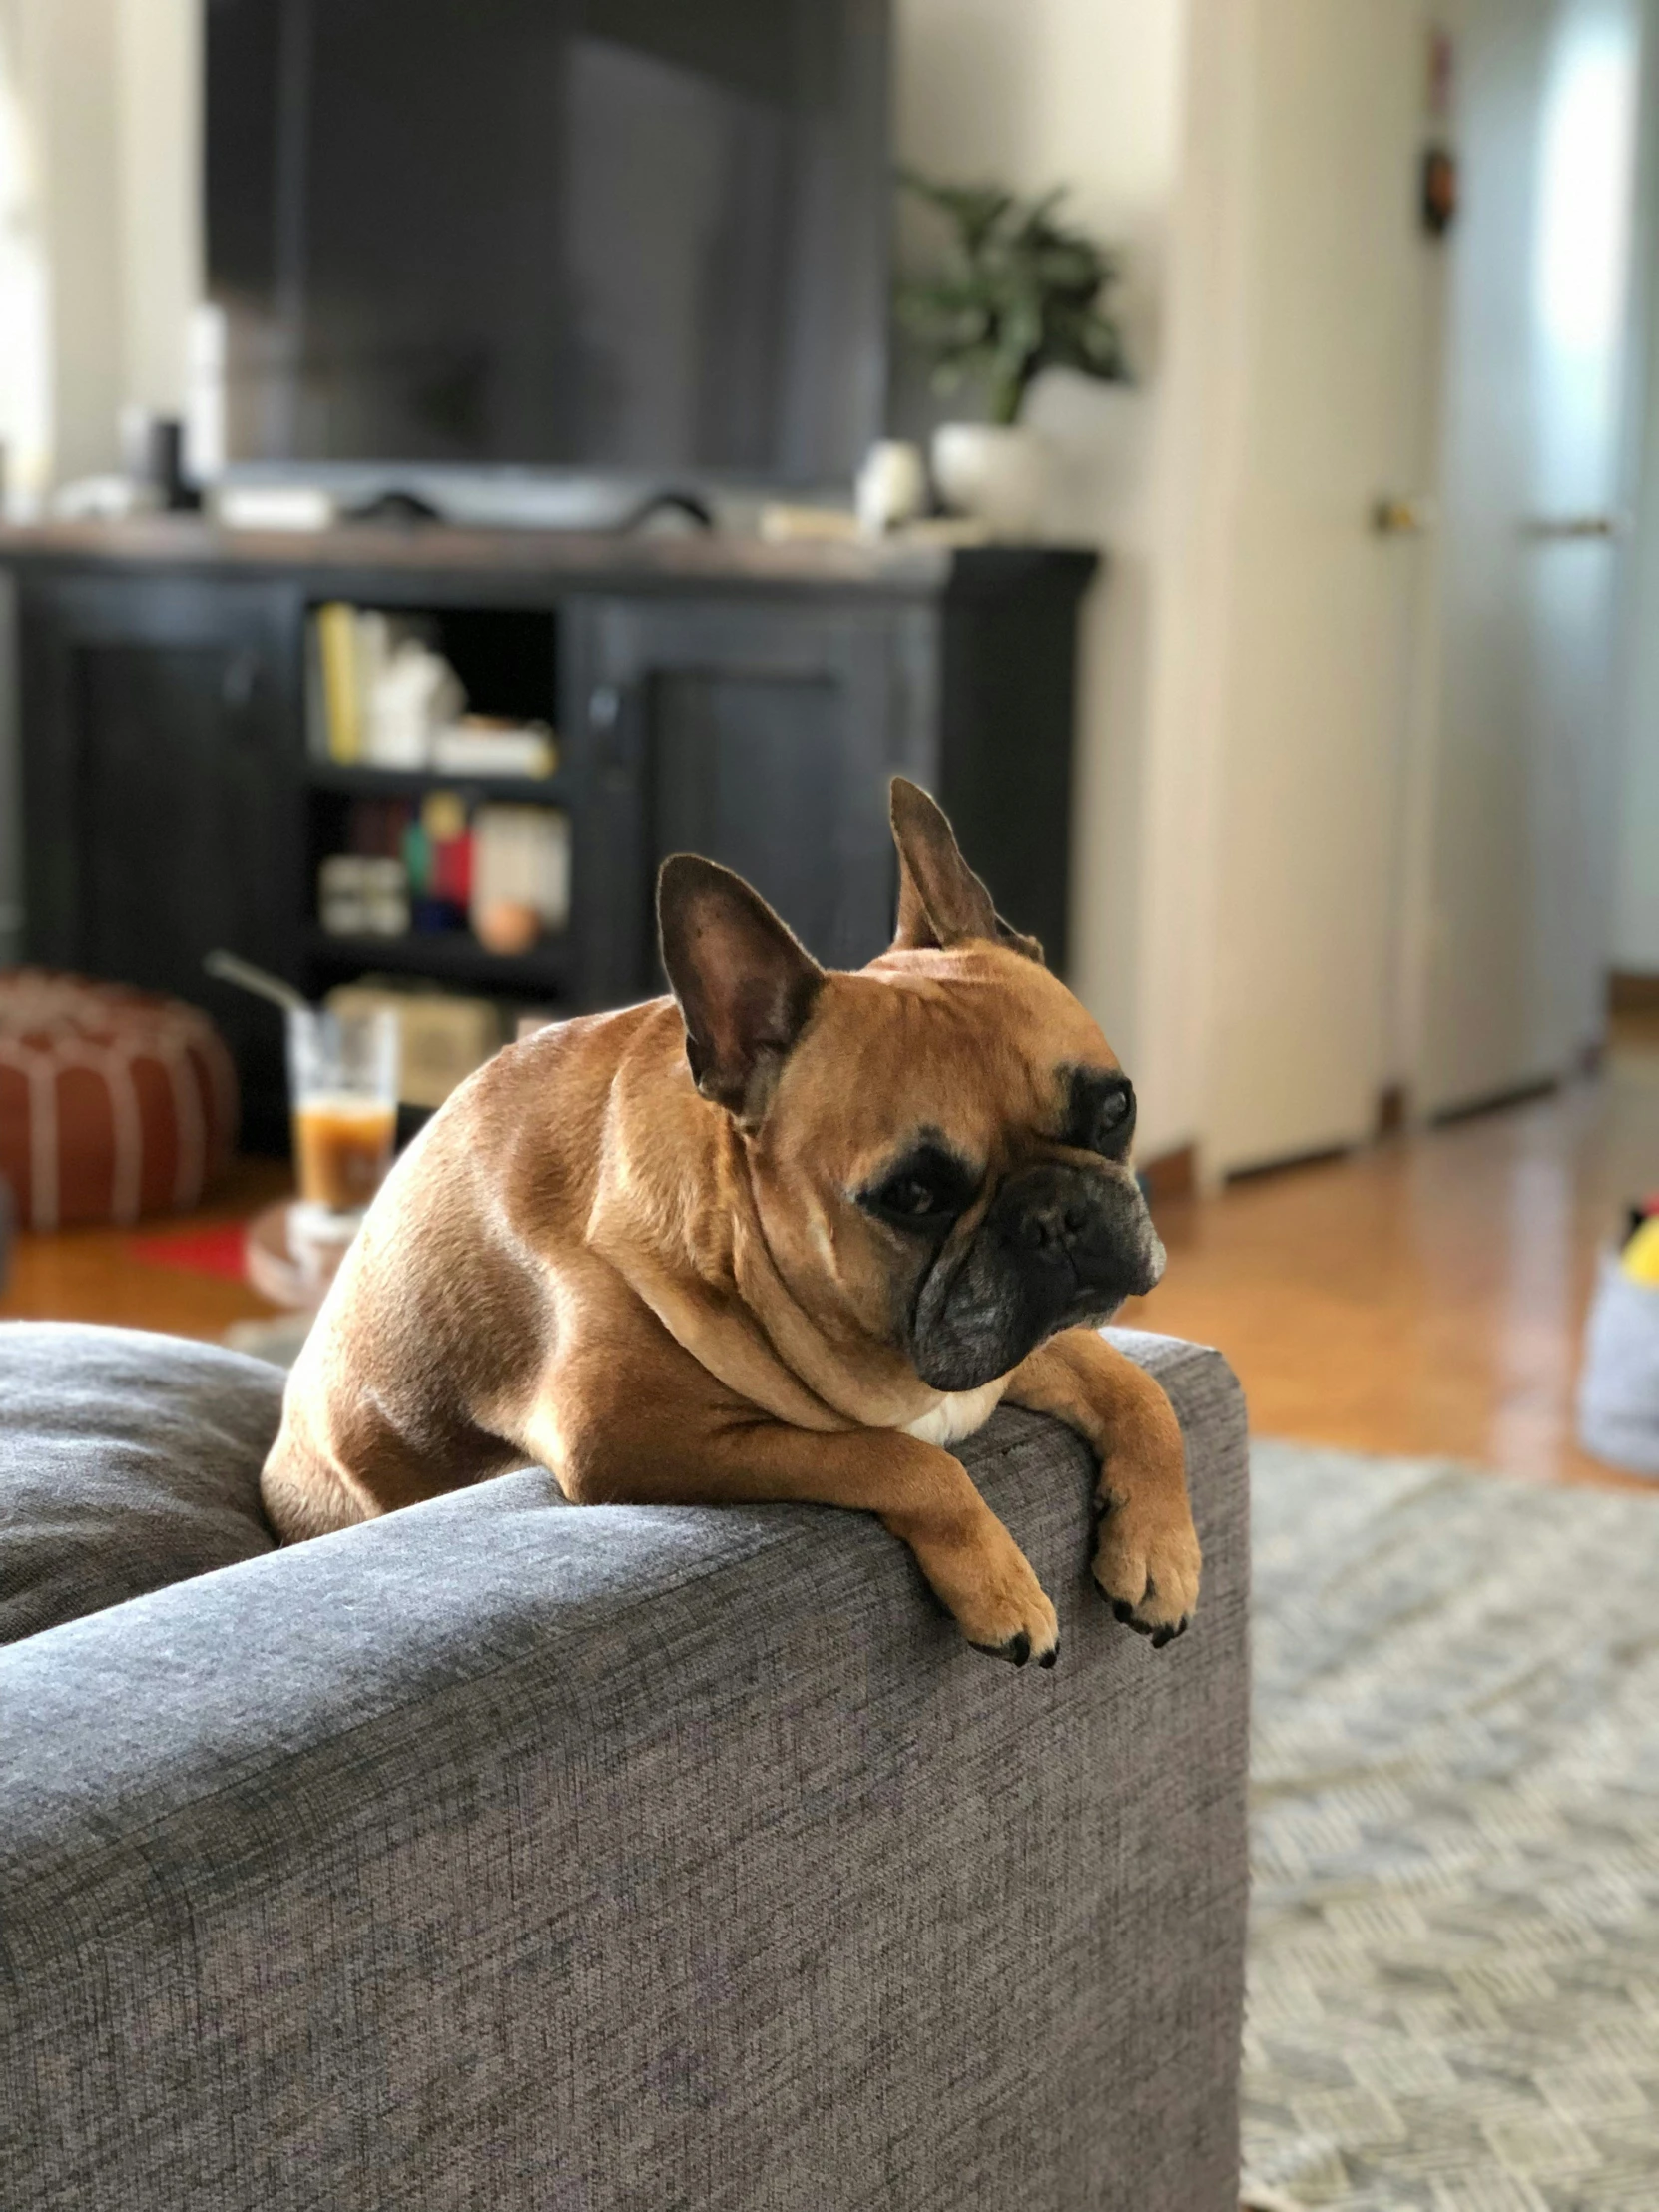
{"points": [[343, 1080]]}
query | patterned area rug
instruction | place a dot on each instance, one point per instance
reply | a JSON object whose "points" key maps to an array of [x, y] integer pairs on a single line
{"points": [[1454, 1977]]}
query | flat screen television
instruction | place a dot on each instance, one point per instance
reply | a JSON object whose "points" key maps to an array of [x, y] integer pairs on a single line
{"points": [[642, 239]]}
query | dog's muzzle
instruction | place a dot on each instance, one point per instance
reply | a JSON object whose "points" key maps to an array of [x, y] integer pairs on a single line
{"points": [[1059, 1247]]}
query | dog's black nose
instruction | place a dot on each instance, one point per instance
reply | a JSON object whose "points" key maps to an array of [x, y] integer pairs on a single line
{"points": [[1059, 1246], [1052, 1211], [1088, 1228], [1048, 1225]]}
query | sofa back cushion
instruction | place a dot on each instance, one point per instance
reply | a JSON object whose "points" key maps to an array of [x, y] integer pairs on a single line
{"points": [[127, 1461]]}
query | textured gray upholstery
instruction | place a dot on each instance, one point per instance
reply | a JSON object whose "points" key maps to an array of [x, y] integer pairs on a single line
{"points": [[501, 1856], [127, 1461]]}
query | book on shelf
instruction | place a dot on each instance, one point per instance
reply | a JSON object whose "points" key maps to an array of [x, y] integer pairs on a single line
{"points": [[362, 895], [336, 630], [520, 875], [489, 745]]}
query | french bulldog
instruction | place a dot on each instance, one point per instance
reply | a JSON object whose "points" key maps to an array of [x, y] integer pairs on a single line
{"points": [[788, 1233]]}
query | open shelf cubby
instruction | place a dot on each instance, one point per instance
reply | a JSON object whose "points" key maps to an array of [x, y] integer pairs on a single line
{"points": [[506, 658], [507, 661]]}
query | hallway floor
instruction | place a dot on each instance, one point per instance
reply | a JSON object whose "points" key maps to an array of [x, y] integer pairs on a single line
{"points": [[1427, 1296]]}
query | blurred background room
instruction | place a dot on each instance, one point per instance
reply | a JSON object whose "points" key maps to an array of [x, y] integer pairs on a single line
{"points": [[1296, 679], [454, 456]]}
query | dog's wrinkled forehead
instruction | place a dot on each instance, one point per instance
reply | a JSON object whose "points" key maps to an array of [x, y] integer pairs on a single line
{"points": [[986, 1051]]}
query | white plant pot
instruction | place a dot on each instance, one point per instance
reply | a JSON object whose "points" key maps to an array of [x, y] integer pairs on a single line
{"points": [[997, 472]]}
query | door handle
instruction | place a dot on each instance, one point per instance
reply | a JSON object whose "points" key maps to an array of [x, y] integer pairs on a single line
{"points": [[604, 706], [1558, 527], [1402, 518]]}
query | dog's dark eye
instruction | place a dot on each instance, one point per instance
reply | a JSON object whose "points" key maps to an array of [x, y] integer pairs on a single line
{"points": [[1114, 1112], [912, 1195], [1100, 1111], [925, 1190]]}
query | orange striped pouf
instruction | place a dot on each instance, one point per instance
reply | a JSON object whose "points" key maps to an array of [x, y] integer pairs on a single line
{"points": [[112, 1103]]}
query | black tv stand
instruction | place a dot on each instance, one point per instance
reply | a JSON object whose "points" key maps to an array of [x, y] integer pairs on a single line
{"points": [[710, 692]]}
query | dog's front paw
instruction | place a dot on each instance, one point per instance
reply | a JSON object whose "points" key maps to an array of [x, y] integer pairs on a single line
{"points": [[1017, 1624], [990, 1586], [1145, 1565]]}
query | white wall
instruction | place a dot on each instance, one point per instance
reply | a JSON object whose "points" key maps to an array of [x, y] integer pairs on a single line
{"points": [[80, 129], [1094, 93], [103, 100], [158, 73], [1635, 947], [1635, 916]]}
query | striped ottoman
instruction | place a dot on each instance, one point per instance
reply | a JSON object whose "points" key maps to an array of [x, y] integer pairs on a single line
{"points": [[112, 1103]]}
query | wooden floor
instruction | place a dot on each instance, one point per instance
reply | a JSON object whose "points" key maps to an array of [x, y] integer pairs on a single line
{"points": [[1425, 1296], [93, 1274]]}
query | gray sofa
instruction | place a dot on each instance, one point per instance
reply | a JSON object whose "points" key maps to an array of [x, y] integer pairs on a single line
{"points": [[505, 1854]]}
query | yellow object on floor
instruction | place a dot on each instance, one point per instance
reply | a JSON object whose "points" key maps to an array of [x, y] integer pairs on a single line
{"points": [[1640, 1258]]}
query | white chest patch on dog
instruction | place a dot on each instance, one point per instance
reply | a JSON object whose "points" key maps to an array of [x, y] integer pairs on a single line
{"points": [[959, 1413]]}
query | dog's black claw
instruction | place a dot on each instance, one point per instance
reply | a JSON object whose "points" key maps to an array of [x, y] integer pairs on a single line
{"points": [[1016, 1651], [1158, 1634], [1049, 1658]]}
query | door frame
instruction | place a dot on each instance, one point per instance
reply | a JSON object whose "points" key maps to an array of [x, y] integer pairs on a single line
{"points": [[1215, 246]]}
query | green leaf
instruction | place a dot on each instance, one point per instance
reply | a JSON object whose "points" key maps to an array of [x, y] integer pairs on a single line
{"points": [[1018, 292]]}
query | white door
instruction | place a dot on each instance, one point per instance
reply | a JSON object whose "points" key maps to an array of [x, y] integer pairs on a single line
{"points": [[1336, 414], [1532, 496]]}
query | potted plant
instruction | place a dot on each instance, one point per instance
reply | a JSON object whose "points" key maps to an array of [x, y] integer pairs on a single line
{"points": [[1019, 292]]}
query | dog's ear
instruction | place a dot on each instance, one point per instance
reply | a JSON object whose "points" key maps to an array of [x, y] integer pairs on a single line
{"points": [[940, 900], [743, 984]]}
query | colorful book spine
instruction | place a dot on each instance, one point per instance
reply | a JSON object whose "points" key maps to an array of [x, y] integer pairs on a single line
{"points": [[337, 633]]}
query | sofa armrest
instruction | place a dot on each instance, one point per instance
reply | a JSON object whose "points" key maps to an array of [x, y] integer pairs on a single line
{"points": [[501, 1852]]}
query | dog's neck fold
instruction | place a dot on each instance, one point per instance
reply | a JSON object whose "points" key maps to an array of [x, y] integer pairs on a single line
{"points": [[705, 1270]]}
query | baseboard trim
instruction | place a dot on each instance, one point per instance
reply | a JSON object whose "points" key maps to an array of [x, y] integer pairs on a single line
{"points": [[1171, 1175], [1632, 993], [1495, 1102], [1289, 1163]]}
